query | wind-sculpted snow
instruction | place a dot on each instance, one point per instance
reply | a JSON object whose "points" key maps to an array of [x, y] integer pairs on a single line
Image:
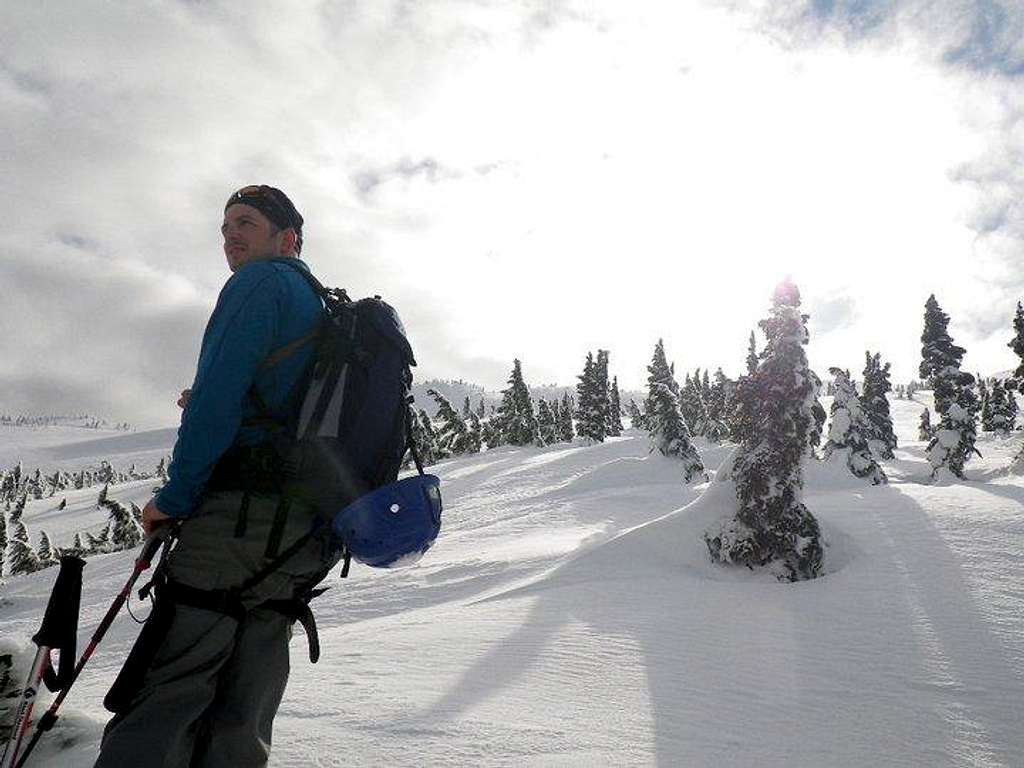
{"points": [[569, 615]]}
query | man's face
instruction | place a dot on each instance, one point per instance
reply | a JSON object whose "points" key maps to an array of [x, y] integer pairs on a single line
{"points": [[248, 236]]}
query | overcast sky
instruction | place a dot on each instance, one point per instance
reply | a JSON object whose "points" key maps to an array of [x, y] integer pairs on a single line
{"points": [[529, 179]]}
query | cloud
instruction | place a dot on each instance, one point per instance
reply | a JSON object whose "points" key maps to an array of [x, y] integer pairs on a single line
{"points": [[980, 35], [90, 333], [368, 179], [831, 313], [528, 179]]}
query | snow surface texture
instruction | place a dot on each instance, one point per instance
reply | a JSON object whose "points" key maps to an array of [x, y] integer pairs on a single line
{"points": [[569, 615]]}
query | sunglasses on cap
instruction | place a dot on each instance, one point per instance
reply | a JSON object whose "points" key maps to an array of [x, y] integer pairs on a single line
{"points": [[277, 207]]}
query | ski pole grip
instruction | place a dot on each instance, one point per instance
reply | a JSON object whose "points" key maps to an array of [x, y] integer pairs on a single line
{"points": [[60, 622], [152, 544]]}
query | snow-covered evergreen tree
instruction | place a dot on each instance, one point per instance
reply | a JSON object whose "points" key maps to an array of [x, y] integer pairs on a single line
{"points": [[659, 372], [1002, 415], [875, 404], [78, 547], [1017, 345], [102, 542], [124, 530], [772, 526], [691, 404], [636, 418], [752, 356], [850, 431], [925, 431], [3, 541], [47, 554], [88, 541], [515, 420], [614, 409], [21, 558], [669, 433], [546, 422], [984, 406], [565, 427], [591, 410], [719, 406], [602, 389], [955, 402], [425, 438], [19, 508], [451, 435]]}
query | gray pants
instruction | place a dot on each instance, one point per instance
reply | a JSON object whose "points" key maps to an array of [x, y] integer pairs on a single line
{"points": [[211, 692]]}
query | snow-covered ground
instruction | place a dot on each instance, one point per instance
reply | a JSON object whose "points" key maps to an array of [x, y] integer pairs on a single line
{"points": [[569, 615]]}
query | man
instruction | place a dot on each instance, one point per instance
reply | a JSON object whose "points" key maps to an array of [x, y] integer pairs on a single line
{"points": [[204, 681]]}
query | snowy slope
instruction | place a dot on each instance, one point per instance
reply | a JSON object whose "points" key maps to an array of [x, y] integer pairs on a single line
{"points": [[569, 616]]}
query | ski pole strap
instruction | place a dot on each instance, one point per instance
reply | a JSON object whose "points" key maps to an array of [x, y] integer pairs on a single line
{"points": [[59, 629]]}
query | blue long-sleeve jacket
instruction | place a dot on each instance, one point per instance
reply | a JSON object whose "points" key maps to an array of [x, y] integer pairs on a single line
{"points": [[263, 306]]}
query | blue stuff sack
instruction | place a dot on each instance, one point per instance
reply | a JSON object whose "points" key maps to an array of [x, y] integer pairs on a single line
{"points": [[393, 525]]}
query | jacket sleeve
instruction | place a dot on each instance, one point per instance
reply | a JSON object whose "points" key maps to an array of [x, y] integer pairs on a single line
{"points": [[240, 334]]}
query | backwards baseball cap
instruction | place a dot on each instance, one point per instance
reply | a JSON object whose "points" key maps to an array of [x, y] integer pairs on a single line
{"points": [[272, 203]]}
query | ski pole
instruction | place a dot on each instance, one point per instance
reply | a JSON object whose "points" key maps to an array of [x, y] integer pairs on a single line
{"points": [[142, 562], [58, 632]]}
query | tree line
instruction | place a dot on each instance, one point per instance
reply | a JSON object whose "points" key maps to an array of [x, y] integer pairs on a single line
{"points": [[123, 528]]}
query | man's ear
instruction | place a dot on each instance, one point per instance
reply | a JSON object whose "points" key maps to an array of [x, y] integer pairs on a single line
{"points": [[288, 240]]}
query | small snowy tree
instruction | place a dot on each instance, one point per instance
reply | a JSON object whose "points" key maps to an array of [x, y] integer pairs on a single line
{"points": [[102, 542], [515, 421], [614, 409], [875, 404], [125, 530], [772, 527], [953, 441], [984, 406], [19, 508], [451, 435], [850, 431], [1001, 415], [636, 419], [719, 406], [47, 554], [21, 558], [591, 411], [1017, 344], [752, 357], [565, 426], [3, 541], [925, 431], [669, 433], [667, 427], [88, 543], [546, 422], [424, 437], [78, 547]]}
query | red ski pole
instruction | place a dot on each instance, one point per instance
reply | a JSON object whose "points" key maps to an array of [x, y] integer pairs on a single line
{"points": [[142, 562]]}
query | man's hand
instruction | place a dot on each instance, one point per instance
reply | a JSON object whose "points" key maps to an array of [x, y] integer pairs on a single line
{"points": [[183, 400], [152, 517]]}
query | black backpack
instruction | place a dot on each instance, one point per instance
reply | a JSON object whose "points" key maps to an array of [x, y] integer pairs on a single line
{"points": [[349, 427]]}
